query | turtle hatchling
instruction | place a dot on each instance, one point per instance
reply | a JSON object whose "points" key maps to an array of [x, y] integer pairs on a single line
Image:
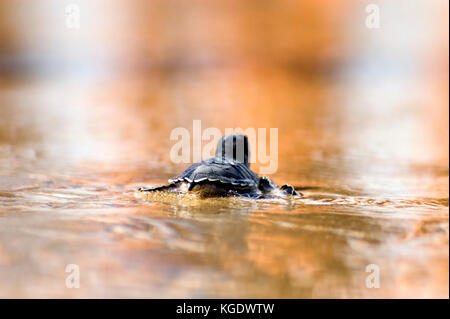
{"points": [[228, 173]]}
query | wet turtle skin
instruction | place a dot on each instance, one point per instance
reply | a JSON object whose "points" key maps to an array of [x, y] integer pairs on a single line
{"points": [[228, 173]]}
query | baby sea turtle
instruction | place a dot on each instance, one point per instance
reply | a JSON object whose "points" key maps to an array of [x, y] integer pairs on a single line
{"points": [[228, 173]]}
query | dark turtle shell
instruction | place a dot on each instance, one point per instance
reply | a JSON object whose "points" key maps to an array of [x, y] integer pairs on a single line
{"points": [[227, 173], [219, 170]]}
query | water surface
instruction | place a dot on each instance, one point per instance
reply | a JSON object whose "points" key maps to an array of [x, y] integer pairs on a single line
{"points": [[58, 209], [363, 132]]}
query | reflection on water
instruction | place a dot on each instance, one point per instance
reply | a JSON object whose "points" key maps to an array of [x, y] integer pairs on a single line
{"points": [[368, 149], [57, 210]]}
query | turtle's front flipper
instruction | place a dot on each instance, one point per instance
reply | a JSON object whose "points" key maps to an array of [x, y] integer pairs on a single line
{"points": [[168, 188], [289, 190], [269, 188], [266, 185]]}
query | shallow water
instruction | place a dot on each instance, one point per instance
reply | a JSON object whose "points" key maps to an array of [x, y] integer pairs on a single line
{"points": [[362, 116], [67, 196]]}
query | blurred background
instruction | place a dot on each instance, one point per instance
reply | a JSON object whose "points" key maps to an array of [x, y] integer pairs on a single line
{"points": [[90, 91]]}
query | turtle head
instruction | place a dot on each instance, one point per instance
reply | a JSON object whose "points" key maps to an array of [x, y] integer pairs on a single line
{"points": [[234, 148]]}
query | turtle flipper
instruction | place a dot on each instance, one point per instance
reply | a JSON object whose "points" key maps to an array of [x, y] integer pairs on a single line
{"points": [[268, 188], [170, 188], [266, 185], [289, 190]]}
